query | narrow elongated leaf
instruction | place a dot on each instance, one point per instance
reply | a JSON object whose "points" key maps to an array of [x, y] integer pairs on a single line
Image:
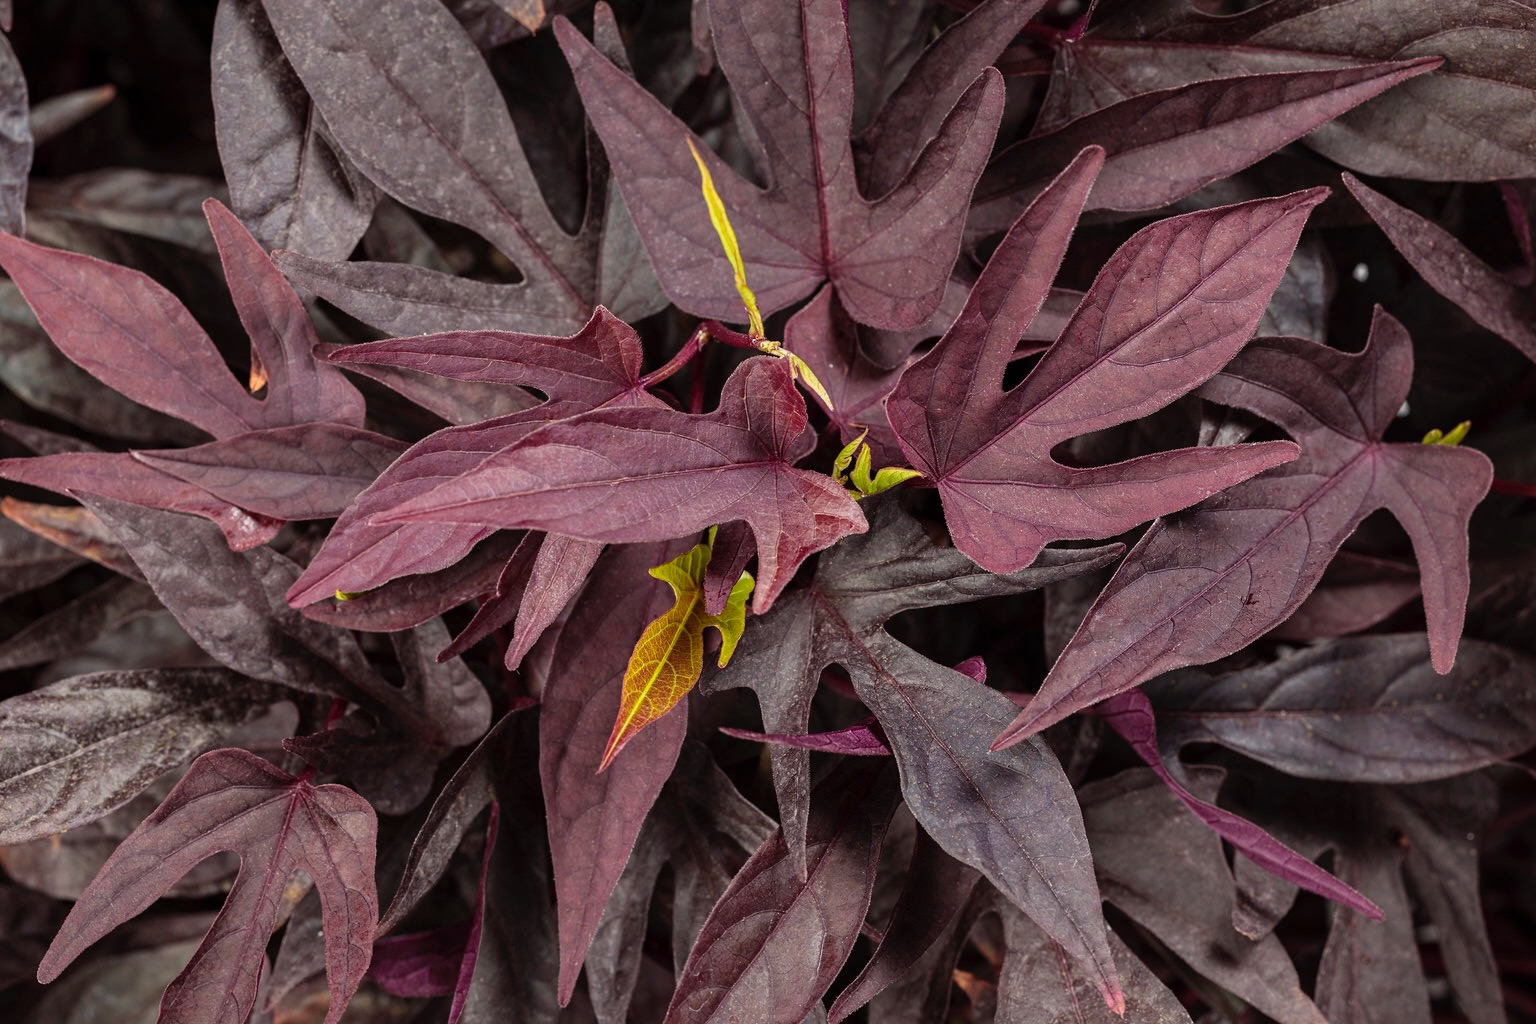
{"points": [[773, 966], [681, 473], [1129, 349], [76, 625], [594, 817], [888, 257], [971, 802], [1399, 721], [1451, 269], [15, 140], [1161, 146], [233, 800], [76, 749], [308, 471], [287, 179], [1205, 584]]}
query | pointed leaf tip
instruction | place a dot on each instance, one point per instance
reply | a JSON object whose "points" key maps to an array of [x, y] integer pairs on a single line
{"points": [[669, 656]]}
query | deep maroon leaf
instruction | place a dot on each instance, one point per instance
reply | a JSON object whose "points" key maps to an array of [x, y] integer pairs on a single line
{"points": [[559, 571], [862, 739], [888, 257], [389, 768], [1355, 592], [287, 178], [1398, 721], [937, 887], [459, 402], [680, 474], [1461, 123], [594, 817], [233, 800], [74, 626], [420, 963], [1130, 715], [76, 749], [1370, 970], [15, 140], [308, 471], [971, 802], [1148, 855], [28, 560], [1451, 269], [777, 939], [1161, 146], [1205, 584], [1131, 348], [453, 701], [74, 529]]}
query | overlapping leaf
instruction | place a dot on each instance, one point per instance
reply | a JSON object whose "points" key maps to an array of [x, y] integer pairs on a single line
{"points": [[1172, 306], [639, 474], [233, 800], [888, 256], [1205, 584]]}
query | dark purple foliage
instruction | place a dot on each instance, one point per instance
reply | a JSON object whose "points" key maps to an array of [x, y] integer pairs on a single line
{"points": [[369, 466]]}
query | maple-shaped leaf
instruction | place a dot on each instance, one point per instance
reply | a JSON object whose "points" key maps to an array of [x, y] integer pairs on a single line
{"points": [[669, 656], [1202, 585], [232, 800], [888, 256], [1171, 307], [1160, 146], [1453, 270], [621, 475], [1462, 122], [935, 719], [777, 939], [411, 102]]}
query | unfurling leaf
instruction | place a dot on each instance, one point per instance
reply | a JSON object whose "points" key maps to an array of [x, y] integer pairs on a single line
{"points": [[865, 479], [669, 656]]}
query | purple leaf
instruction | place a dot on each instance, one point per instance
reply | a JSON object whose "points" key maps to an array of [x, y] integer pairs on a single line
{"points": [[1370, 970], [287, 178], [307, 471], [1205, 584], [1161, 146], [1129, 350], [233, 800], [680, 474], [459, 402], [777, 939], [28, 561], [1148, 854], [733, 548], [389, 768], [1398, 722], [1130, 715], [971, 802], [75, 529], [1460, 123], [420, 963], [76, 749], [594, 817], [74, 626], [15, 140], [937, 887], [1355, 592], [888, 257], [1451, 269], [559, 571], [861, 739]]}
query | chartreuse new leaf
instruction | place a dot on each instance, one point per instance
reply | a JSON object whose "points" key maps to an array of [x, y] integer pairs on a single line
{"points": [[669, 656]]}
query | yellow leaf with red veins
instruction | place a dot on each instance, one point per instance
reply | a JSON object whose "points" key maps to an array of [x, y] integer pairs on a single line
{"points": [[669, 656]]}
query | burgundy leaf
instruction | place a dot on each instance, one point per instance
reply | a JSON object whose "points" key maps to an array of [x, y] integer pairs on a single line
{"points": [[1370, 970], [1461, 123], [1205, 584], [233, 800], [887, 257], [1398, 721], [28, 560], [452, 700], [597, 366], [420, 963], [287, 178], [1148, 855], [558, 573], [1355, 592], [862, 739], [733, 547], [459, 402], [680, 474], [307, 471], [1130, 715], [299, 389], [74, 626], [937, 887], [389, 768], [1451, 269], [1130, 349], [614, 960], [777, 939], [499, 604], [1161, 146], [76, 749], [970, 801], [74, 529], [594, 817]]}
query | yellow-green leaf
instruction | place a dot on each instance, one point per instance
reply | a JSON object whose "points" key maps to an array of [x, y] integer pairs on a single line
{"points": [[864, 480], [1457, 435], [722, 225], [669, 656]]}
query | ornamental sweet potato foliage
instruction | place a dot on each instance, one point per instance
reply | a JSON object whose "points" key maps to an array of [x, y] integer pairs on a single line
{"points": [[768, 511]]}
